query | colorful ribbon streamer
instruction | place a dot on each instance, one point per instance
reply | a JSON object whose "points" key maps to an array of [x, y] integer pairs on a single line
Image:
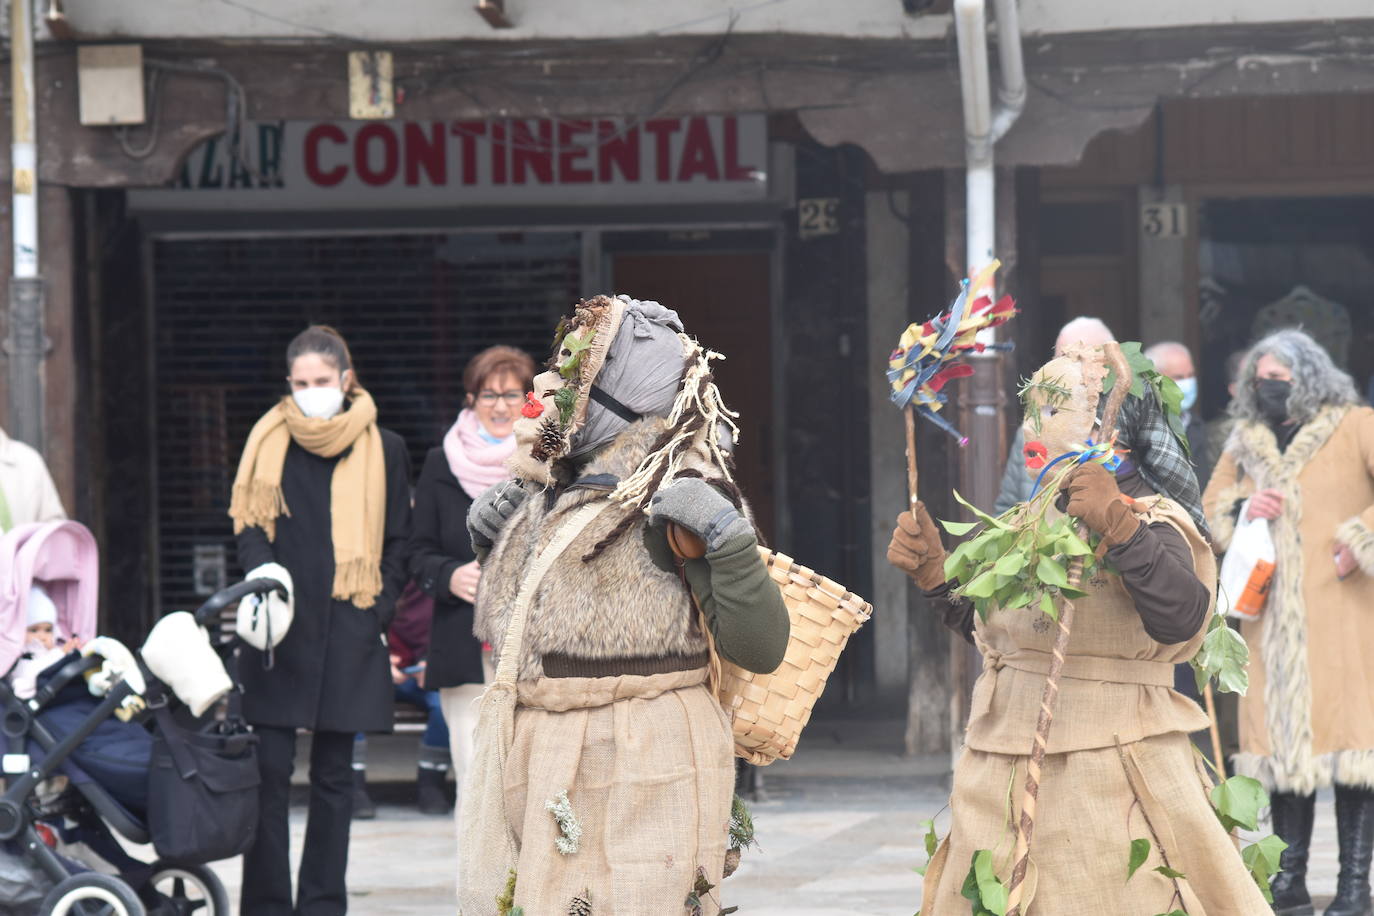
{"points": [[1104, 453], [928, 354]]}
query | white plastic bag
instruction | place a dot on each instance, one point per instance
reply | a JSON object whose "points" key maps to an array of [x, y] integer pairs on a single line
{"points": [[1247, 570]]}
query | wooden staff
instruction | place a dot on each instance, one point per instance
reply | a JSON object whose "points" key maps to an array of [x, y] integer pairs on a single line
{"points": [[911, 455], [1031, 794], [1210, 699]]}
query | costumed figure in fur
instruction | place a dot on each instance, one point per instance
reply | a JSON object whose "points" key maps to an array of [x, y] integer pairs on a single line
{"points": [[618, 777], [1302, 454], [1119, 764]]}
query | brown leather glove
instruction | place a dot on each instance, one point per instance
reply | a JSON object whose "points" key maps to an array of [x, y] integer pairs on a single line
{"points": [[916, 549], [1094, 497]]}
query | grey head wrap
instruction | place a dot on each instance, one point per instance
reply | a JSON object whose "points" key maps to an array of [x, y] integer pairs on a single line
{"points": [[643, 370]]}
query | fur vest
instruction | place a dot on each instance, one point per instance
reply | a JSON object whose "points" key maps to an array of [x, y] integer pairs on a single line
{"points": [[619, 605], [1308, 718]]}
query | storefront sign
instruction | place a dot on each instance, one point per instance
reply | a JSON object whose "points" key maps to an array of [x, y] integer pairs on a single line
{"points": [[310, 165]]}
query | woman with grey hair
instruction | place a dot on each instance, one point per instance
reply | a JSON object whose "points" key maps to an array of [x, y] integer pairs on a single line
{"points": [[1301, 455]]}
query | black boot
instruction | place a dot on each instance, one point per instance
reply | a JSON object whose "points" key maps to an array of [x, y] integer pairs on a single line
{"points": [[1292, 816], [429, 785], [364, 809], [1355, 831]]}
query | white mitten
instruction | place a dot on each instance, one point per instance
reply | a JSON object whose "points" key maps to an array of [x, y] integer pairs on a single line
{"points": [[119, 666], [178, 653], [264, 619]]}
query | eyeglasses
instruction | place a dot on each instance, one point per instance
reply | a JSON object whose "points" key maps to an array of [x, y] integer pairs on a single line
{"points": [[489, 398]]}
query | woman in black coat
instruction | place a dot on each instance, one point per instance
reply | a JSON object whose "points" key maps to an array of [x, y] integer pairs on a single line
{"points": [[322, 492], [442, 561]]}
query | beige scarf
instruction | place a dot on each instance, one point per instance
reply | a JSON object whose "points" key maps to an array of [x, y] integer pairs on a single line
{"points": [[357, 492]]}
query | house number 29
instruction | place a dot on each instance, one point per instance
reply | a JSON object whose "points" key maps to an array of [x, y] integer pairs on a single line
{"points": [[818, 216]]}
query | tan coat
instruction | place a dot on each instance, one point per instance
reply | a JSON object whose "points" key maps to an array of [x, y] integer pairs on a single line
{"points": [[1119, 755], [1308, 718]]}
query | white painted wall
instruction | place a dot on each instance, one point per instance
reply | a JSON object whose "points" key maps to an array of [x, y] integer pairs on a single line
{"points": [[453, 20]]}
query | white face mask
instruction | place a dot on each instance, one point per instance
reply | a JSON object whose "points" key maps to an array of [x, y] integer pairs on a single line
{"points": [[1189, 388], [319, 403]]}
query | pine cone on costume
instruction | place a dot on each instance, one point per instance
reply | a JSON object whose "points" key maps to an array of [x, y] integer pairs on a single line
{"points": [[581, 904], [732, 856], [549, 442]]}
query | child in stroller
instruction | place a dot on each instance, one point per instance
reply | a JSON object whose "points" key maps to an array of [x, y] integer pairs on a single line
{"points": [[81, 712]]}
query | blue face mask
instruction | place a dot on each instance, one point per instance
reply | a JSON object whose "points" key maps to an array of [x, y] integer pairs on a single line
{"points": [[1189, 388]]}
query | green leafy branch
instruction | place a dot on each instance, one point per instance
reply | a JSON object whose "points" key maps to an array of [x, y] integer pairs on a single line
{"points": [[1019, 559], [1237, 802], [1165, 389]]}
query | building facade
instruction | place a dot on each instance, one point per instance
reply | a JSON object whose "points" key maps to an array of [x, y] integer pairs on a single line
{"points": [[789, 175]]}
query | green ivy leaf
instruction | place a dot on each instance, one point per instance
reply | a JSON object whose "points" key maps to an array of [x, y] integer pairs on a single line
{"points": [[1225, 656], [958, 529], [1262, 858], [1071, 545], [1011, 564], [982, 587], [1168, 872], [981, 515], [1051, 573], [1140, 851], [982, 887], [931, 840], [1238, 801], [1049, 607], [1019, 600]]}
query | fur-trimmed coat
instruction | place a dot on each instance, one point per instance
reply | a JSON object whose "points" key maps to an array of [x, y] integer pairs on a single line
{"points": [[621, 605], [1308, 718]]}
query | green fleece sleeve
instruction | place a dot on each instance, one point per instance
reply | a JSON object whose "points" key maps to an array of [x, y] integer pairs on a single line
{"points": [[743, 606]]}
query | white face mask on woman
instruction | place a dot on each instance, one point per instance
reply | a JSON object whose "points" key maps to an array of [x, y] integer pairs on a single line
{"points": [[319, 403]]}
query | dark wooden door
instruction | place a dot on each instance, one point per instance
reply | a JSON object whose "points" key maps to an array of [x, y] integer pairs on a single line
{"points": [[723, 299]]}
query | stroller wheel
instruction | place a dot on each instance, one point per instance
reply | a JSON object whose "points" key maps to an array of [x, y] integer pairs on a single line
{"points": [[92, 894], [188, 889]]}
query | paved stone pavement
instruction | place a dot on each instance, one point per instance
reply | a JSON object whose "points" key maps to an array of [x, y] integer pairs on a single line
{"points": [[838, 830]]}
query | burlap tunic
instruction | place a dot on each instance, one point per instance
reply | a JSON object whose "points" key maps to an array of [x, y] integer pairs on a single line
{"points": [[1118, 754]]}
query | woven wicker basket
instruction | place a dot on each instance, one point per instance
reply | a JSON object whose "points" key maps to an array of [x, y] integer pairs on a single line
{"points": [[769, 711]]}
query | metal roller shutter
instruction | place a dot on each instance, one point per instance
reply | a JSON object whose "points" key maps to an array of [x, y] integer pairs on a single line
{"points": [[414, 309]]}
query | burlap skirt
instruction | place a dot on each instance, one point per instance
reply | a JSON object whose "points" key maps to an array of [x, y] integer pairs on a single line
{"points": [[648, 766], [1092, 805]]}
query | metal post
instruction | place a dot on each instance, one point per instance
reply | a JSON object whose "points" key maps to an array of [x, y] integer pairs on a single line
{"points": [[26, 344]]}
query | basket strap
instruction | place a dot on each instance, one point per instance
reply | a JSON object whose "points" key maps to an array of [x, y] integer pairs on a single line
{"points": [[508, 668]]}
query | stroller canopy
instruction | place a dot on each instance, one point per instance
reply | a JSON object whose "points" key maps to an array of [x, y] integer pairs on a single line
{"points": [[63, 558]]}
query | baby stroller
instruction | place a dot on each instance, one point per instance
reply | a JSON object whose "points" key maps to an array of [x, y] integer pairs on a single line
{"points": [[101, 719]]}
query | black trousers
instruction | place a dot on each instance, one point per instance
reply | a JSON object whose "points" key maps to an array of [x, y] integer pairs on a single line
{"points": [[324, 861]]}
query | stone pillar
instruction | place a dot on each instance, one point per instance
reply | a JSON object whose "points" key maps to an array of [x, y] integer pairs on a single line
{"points": [[1165, 299], [888, 294]]}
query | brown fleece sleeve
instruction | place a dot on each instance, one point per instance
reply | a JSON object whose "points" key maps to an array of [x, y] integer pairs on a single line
{"points": [[1156, 567], [955, 612]]}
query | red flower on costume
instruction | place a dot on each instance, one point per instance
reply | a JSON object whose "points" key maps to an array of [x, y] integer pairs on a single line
{"points": [[1036, 455], [532, 409]]}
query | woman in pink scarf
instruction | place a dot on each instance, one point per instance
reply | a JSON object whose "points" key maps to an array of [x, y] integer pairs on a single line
{"points": [[472, 458]]}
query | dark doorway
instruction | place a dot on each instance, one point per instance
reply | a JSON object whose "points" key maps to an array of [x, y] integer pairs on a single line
{"points": [[723, 296]]}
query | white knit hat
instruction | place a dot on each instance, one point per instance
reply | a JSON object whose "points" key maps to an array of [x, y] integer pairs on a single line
{"points": [[41, 607]]}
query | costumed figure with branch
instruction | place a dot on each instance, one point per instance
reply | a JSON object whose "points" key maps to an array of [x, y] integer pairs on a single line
{"points": [[1078, 791], [603, 771]]}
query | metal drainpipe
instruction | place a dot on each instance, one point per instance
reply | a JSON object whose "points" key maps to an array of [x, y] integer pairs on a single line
{"points": [[985, 398], [26, 344]]}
